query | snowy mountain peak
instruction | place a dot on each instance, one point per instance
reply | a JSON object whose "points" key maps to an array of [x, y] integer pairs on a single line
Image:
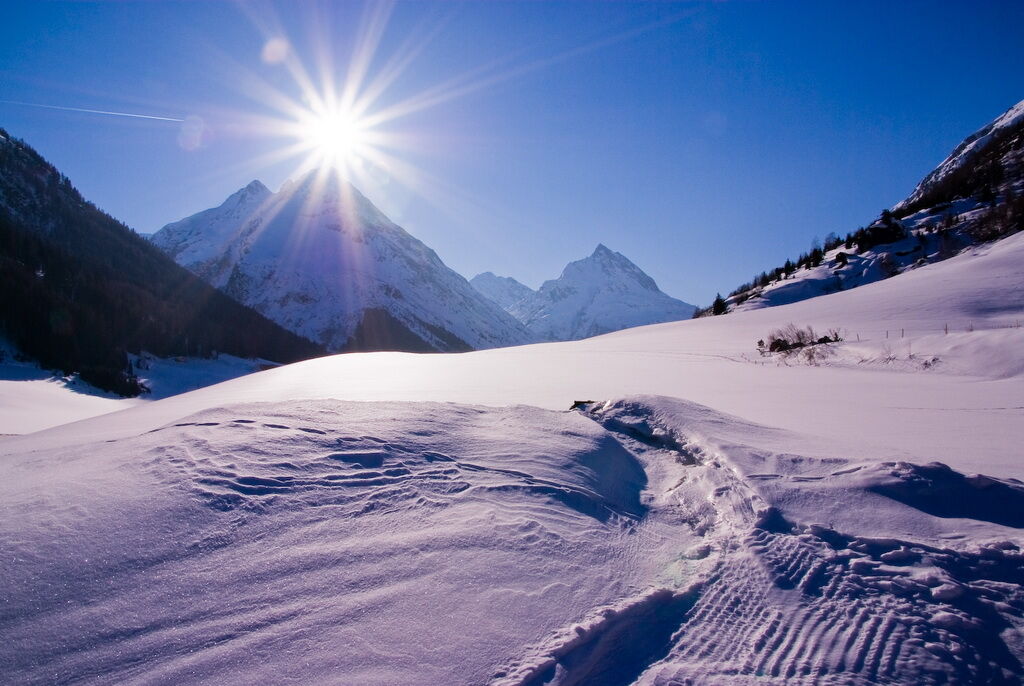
{"points": [[256, 186], [319, 258], [598, 294], [503, 290], [605, 266], [255, 191], [332, 195], [326, 183]]}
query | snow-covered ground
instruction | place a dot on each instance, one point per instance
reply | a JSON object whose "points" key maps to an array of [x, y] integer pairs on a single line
{"points": [[33, 399], [863, 409], [714, 516]]}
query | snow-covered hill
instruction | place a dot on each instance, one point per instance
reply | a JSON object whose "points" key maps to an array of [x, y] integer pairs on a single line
{"points": [[33, 398], [714, 516], [601, 293], [321, 260], [891, 324], [976, 195]]}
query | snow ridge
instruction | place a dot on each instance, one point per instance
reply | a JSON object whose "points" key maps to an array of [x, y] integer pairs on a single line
{"points": [[964, 152], [503, 290]]}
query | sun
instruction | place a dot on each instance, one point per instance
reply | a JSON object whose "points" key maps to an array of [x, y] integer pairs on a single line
{"points": [[335, 138]]}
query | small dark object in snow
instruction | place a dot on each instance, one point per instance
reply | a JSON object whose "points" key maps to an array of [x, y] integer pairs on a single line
{"points": [[580, 404]]}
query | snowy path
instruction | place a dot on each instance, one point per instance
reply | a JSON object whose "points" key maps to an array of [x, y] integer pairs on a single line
{"points": [[783, 602]]}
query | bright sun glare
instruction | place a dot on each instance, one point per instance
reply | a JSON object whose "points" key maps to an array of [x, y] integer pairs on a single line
{"points": [[338, 121], [336, 138]]}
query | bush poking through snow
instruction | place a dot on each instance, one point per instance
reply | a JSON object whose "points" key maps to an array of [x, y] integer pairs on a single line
{"points": [[792, 337]]}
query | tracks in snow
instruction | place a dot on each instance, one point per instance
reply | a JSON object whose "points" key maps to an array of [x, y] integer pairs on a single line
{"points": [[781, 605], [818, 608]]}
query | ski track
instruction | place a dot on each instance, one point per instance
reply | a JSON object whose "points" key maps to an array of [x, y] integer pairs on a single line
{"points": [[783, 605], [788, 609]]}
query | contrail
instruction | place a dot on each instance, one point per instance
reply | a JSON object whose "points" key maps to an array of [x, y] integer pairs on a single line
{"points": [[82, 109]]}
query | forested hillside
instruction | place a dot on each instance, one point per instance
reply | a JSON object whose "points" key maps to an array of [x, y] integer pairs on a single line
{"points": [[79, 290], [975, 195]]}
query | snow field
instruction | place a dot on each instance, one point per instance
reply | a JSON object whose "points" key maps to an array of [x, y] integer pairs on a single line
{"points": [[371, 544], [646, 540], [713, 517]]}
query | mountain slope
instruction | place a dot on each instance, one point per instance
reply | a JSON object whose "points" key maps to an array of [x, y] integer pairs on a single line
{"points": [[985, 158], [974, 196], [321, 260], [601, 293], [79, 290]]}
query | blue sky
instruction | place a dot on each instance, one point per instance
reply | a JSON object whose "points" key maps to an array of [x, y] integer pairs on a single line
{"points": [[705, 141]]}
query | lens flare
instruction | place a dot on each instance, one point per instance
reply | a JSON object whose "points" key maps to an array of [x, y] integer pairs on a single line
{"points": [[343, 117], [335, 138]]}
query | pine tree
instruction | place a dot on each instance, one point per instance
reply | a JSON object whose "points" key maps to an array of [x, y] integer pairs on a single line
{"points": [[718, 307]]}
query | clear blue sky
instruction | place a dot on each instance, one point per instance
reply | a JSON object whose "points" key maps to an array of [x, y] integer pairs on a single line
{"points": [[705, 141]]}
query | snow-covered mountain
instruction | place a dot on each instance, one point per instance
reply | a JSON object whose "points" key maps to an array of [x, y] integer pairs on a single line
{"points": [[598, 294], [321, 260], [965, 157], [503, 290], [80, 291]]}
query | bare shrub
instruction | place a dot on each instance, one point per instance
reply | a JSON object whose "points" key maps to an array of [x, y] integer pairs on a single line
{"points": [[792, 337]]}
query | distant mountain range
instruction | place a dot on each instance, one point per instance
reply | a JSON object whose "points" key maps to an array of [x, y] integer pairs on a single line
{"points": [[321, 260], [80, 290], [598, 294]]}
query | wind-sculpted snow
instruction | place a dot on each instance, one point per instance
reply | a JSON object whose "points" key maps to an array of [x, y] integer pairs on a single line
{"points": [[789, 600], [375, 544], [647, 540]]}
